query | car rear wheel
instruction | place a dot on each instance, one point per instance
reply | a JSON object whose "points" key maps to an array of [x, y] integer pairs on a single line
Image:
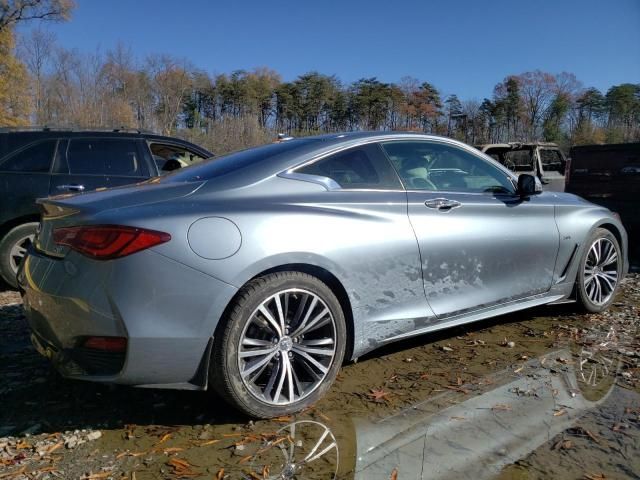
{"points": [[13, 248], [281, 345], [600, 271]]}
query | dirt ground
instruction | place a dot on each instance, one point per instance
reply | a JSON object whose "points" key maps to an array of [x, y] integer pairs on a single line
{"points": [[55, 428]]}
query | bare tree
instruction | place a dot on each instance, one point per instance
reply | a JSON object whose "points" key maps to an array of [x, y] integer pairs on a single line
{"points": [[14, 11], [36, 50]]}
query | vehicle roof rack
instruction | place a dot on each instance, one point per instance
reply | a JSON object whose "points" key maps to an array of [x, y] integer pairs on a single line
{"points": [[46, 128]]}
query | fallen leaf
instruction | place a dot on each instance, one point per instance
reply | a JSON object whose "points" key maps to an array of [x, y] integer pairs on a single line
{"points": [[96, 476], [253, 475], [378, 395], [394, 474], [559, 413], [220, 474], [164, 438], [208, 442]]}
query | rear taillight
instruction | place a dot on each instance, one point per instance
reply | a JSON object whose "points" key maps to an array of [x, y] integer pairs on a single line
{"points": [[105, 242], [106, 344]]}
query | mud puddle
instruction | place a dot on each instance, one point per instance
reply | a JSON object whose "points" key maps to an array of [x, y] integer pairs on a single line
{"points": [[538, 394]]}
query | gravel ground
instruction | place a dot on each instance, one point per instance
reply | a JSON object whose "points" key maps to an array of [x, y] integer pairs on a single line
{"points": [[55, 428]]}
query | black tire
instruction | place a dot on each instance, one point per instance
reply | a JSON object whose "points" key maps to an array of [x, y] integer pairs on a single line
{"points": [[15, 235], [224, 371], [585, 302]]}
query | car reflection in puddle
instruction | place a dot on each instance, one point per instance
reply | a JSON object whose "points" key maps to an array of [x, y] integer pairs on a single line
{"points": [[512, 414]]}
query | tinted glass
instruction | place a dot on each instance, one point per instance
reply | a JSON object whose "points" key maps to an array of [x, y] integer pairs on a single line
{"points": [[34, 159], [105, 157], [172, 157], [551, 161], [440, 167], [219, 166], [361, 167]]}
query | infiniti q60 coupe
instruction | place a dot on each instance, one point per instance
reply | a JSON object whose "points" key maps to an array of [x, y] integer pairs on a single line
{"points": [[257, 274]]}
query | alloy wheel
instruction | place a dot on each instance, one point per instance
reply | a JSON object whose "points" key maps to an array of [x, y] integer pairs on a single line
{"points": [[601, 271], [18, 251], [287, 347]]}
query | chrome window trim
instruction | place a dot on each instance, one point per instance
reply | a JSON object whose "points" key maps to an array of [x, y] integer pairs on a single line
{"points": [[332, 185]]}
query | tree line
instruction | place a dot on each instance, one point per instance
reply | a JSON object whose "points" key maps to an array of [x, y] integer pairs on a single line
{"points": [[43, 83]]}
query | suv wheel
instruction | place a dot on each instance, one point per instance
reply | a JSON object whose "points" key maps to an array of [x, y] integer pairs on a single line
{"points": [[13, 248], [281, 346]]}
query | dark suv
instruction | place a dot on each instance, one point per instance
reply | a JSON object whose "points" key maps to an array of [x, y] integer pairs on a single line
{"points": [[37, 163]]}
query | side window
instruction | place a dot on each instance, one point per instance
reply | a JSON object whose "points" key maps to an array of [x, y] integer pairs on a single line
{"points": [[33, 159], [440, 167], [551, 161], [357, 168], [108, 156], [171, 157]]}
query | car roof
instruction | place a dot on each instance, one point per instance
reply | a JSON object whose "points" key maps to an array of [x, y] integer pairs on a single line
{"points": [[255, 164], [37, 133]]}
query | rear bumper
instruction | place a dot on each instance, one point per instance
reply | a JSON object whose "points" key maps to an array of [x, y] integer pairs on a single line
{"points": [[167, 312]]}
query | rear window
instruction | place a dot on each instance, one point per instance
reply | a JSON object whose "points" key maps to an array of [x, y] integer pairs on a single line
{"points": [[32, 159], [217, 167], [116, 157]]}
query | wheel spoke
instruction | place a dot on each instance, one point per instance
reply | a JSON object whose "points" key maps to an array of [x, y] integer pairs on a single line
{"points": [[313, 351], [281, 314], [257, 364], [282, 376], [255, 342], [312, 361], [318, 321], [607, 281], [270, 319], [257, 352], [611, 258], [317, 342]]}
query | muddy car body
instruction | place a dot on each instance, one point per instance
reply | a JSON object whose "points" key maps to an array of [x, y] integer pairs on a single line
{"points": [[544, 160], [258, 273]]}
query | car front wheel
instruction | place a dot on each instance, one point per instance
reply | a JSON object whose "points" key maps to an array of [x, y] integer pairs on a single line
{"points": [[13, 248], [600, 271], [281, 345]]}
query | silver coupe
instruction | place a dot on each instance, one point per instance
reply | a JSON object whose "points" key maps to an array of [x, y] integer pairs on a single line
{"points": [[258, 274]]}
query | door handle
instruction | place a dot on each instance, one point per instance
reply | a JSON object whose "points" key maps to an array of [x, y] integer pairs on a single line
{"points": [[71, 188], [442, 204]]}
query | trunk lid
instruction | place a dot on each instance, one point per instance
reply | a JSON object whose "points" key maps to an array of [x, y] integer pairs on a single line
{"points": [[77, 209]]}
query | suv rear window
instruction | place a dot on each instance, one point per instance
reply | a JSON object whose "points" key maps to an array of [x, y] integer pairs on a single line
{"points": [[33, 159], [110, 156]]}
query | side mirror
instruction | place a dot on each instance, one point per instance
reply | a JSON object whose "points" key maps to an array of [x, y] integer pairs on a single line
{"points": [[528, 185]]}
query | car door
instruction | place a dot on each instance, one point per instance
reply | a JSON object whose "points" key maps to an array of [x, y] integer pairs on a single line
{"points": [[371, 239], [480, 244], [87, 163], [552, 166]]}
